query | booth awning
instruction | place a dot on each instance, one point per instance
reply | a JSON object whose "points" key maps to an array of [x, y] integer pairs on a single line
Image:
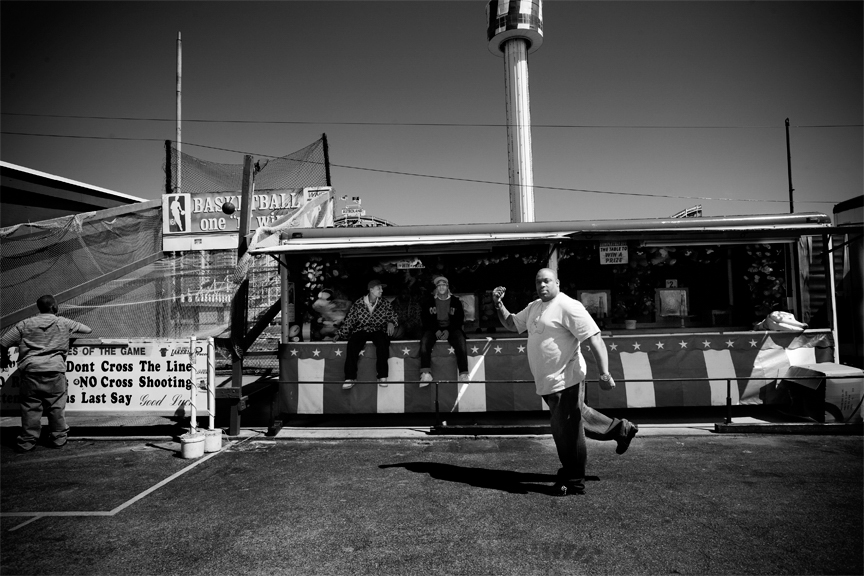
{"points": [[725, 229]]}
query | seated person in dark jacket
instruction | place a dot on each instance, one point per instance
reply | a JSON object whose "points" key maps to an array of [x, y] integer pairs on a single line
{"points": [[442, 314], [369, 318]]}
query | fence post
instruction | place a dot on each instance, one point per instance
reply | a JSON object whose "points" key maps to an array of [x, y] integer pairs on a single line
{"points": [[211, 382], [437, 411], [728, 400], [193, 409]]}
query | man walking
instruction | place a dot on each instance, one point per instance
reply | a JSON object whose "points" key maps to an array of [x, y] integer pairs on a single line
{"points": [[43, 343], [557, 325]]}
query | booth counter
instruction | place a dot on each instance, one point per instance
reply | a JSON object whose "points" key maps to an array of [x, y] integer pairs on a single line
{"points": [[652, 370]]}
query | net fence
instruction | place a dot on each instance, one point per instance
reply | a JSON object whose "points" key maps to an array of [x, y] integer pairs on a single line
{"points": [[66, 255], [301, 169], [108, 269]]}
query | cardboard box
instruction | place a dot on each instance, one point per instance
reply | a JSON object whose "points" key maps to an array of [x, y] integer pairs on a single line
{"points": [[839, 387]]}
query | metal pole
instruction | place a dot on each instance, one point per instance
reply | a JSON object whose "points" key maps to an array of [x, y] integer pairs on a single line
{"points": [[193, 370], [179, 105], [169, 159], [789, 169], [326, 159], [283, 294], [728, 401], [437, 412], [211, 382], [831, 288]]}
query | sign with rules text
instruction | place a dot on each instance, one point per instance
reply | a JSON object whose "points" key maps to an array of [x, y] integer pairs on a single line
{"points": [[127, 376]]}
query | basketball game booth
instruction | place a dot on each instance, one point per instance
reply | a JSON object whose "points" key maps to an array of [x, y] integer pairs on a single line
{"points": [[684, 304]]}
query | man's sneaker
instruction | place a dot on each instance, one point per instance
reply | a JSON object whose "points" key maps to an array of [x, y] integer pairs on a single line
{"points": [[425, 379], [382, 382], [624, 441], [567, 489], [348, 384], [464, 377]]}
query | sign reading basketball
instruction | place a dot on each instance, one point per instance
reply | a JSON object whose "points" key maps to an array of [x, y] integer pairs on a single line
{"points": [[220, 212]]}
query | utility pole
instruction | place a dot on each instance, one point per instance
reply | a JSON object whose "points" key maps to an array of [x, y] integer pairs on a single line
{"points": [[179, 104], [238, 333], [789, 169]]}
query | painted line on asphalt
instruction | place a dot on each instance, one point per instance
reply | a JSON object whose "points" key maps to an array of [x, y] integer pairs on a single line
{"points": [[38, 515]]}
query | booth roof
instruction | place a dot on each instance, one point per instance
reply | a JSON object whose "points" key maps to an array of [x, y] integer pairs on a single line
{"points": [[721, 229]]}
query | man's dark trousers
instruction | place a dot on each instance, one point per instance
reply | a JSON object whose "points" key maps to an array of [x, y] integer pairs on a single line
{"points": [[356, 343], [565, 417], [456, 338]]}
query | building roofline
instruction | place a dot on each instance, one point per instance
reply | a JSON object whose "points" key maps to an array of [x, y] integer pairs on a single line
{"points": [[56, 178]]}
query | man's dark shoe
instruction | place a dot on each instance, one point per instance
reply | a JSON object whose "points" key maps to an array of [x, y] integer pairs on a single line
{"points": [[567, 489], [22, 450], [624, 442]]}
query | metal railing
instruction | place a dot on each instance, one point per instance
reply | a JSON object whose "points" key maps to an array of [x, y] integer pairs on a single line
{"points": [[727, 420]]}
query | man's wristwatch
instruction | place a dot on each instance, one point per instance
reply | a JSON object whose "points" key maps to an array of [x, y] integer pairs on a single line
{"points": [[605, 377]]}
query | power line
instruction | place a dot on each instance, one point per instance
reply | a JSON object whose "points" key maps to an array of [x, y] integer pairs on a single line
{"points": [[416, 175], [427, 124]]}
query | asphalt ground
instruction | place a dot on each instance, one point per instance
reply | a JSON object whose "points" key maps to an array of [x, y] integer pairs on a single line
{"points": [[676, 503]]}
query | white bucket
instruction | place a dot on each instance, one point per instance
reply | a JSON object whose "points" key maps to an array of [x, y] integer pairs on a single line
{"points": [[630, 324], [192, 445], [212, 440]]}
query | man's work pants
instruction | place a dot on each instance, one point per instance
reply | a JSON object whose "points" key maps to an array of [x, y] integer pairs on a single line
{"points": [[43, 391], [565, 417]]}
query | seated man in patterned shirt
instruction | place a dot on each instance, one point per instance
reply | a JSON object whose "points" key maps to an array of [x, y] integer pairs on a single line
{"points": [[370, 318]]}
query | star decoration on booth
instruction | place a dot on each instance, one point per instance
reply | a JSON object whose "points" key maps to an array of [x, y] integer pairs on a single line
{"points": [[613, 346], [497, 349], [753, 343], [683, 344], [362, 352], [316, 352], [475, 349], [521, 349], [338, 352], [729, 343], [294, 352], [637, 346], [450, 350], [706, 343], [405, 351], [659, 345]]}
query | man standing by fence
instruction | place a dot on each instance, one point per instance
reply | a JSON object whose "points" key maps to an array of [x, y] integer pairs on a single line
{"points": [[43, 343]]}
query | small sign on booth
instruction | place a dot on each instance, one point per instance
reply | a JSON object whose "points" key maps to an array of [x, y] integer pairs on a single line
{"points": [[613, 253]]}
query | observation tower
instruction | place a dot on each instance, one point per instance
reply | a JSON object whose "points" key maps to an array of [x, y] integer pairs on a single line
{"points": [[515, 29]]}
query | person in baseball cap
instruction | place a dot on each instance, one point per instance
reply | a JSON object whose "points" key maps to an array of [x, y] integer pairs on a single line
{"points": [[370, 318], [443, 315]]}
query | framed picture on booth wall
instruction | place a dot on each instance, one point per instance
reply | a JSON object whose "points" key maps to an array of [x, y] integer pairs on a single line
{"points": [[597, 302]]}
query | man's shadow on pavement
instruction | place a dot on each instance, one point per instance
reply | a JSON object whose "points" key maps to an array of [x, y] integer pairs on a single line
{"points": [[504, 480]]}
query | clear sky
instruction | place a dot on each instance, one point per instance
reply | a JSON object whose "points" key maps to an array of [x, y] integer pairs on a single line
{"points": [[639, 109]]}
